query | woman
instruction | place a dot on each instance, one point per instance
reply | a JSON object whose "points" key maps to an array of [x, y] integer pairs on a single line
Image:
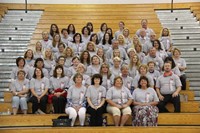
{"points": [[122, 43], [55, 42], [102, 31], [143, 69], [159, 51], [76, 101], [140, 54], [101, 55], [106, 75], [181, 64], [86, 79], [77, 45], [85, 58], [106, 43], [94, 39], [39, 63], [94, 67], [145, 99], [166, 40], [19, 89], [38, 53], [96, 98], [133, 66], [58, 85], [71, 30], [91, 48], [119, 100], [68, 54], [127, 37], [20, 62], [90, 26], [29, 58], [49, 62], [73, 69], [53, 30], [39, 88], [85, 34]]}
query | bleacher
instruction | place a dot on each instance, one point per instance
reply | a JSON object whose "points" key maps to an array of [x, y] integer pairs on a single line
{"points": [[97, 14]]}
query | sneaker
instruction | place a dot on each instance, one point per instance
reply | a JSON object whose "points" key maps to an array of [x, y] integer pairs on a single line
{"points": [[40, 111], [36, 112]]}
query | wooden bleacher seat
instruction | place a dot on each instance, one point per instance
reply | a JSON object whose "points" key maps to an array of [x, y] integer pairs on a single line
{"points": [[46, 119]]}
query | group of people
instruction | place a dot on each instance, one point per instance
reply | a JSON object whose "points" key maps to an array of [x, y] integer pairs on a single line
{"points": [[100, 72]]}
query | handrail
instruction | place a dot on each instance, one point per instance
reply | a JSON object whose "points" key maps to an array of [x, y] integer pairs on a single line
{"points": [[26, 6], [172, 3]]}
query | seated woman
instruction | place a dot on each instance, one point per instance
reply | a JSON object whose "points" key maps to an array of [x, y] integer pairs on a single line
{"points": [[58, 85], [39, 88], [76, 101], [145, 99], [19, 89], [96, 98], [119, 100]]}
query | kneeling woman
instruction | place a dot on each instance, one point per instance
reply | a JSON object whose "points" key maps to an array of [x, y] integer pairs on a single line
{"points": [[145, 99], [119, 100], [76, 101], [96, 98], [39, 88], [19, 88]]}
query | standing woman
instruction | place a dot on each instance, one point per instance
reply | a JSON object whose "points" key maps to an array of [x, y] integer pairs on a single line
{"points": [[119, 100], [94, 39], [39, 88], [96, 98], [106, 43], [19, 89], [59, 85], [145, 99], [53, 30], [76, 101]]}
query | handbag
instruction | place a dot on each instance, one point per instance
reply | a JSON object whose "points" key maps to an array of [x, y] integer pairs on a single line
{"points": [[50, 96], [62, 121]]}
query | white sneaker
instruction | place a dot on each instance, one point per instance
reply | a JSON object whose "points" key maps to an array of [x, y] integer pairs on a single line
{"points": [[40, 111]]}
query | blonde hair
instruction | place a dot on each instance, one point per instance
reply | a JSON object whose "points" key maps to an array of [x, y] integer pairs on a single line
{"points": [[90, 42], [122, 37]]}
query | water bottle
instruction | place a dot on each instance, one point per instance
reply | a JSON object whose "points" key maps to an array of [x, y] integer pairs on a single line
{"points": [[8, 112], [104, 121]]}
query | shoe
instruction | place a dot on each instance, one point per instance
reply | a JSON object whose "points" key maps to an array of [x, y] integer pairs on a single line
{"points": [[36, 112], [40, 111]]}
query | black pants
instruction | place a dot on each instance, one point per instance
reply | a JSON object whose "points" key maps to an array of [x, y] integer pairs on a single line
{"points": [[96, 116], [59, 104], [39, 105], [183, 81], [168, 98]]}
